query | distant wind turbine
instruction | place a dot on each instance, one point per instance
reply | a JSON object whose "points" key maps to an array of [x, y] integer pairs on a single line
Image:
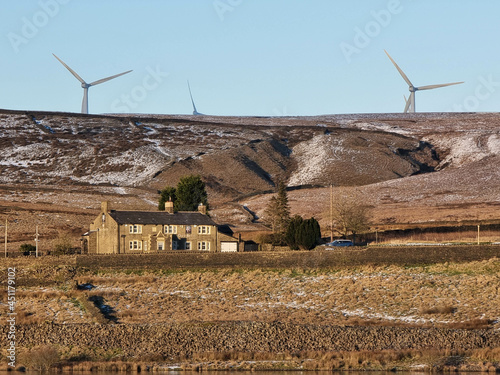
{"points": [[195, 112], [410, 103], [85, 85]]}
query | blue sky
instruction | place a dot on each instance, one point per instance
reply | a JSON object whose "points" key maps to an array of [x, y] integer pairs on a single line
{"points": [[250, 57]]}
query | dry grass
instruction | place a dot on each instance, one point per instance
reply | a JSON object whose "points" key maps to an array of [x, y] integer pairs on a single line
{"points": [[464, 295], [419, 360], [95, 360]]}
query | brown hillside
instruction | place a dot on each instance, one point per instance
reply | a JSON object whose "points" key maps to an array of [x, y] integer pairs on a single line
{"points": [[412, 168]]}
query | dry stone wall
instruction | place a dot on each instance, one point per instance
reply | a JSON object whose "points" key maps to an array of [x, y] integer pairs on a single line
{"points": [[296, 259], [187, 338]]}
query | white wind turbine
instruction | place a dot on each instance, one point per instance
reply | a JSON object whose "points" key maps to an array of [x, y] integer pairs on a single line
{"points": [[85, 85], [410, 103], [195, 112]]}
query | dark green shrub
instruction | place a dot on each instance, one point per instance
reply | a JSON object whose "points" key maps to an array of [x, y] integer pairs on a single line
{"points": [[302, 234], [26, 248]]}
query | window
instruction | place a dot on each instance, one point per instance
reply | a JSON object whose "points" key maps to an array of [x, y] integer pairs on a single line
{"points": [[135, 228], [135, 245], [153, 229], [171, 229], [188, 246], [204, 245], [161, 245], [203, 229], [175, 246], [188, 229]]}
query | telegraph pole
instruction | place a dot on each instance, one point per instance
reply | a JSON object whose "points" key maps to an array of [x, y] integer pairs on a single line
{"points": [[6, 222], [36, 241], [331, 213]]}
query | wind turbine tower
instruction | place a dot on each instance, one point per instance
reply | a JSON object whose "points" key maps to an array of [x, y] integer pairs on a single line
{"points": [[85, 85], [195, 112], [410, 103]]}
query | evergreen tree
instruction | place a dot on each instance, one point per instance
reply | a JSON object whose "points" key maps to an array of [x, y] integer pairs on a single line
{"points": [[165, 195], [302, 234], [310, 234], [190, 193], [292, 232], [278, 214]]}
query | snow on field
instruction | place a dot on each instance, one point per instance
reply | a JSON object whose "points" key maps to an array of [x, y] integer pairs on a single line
{"points": [[311, 156], [377, 126], [466, 148]]}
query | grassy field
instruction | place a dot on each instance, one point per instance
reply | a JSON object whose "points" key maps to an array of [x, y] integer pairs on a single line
{"points": [[463, 295]]}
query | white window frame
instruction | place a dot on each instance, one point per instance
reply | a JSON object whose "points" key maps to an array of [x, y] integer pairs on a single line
{"points": [[170, 229], [189, 245], [162, 247], [203, 245], [203, 229], [135, 245], [135, 229]]}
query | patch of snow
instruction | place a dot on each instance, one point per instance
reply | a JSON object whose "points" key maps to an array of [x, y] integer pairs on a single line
{"points": [[120, 190], [310, 156], [378, 126], [466, 148], [407, 319]]}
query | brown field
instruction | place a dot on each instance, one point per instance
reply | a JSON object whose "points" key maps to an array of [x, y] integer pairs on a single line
{"points": [[457, 295], [462, 295]]}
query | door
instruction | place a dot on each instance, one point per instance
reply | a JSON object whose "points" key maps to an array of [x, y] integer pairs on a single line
{"points": [[229, 247]]}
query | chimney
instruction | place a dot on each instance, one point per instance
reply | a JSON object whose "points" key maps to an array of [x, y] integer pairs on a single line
{"points": [[202, 209], [169, 206], [105, 206]]}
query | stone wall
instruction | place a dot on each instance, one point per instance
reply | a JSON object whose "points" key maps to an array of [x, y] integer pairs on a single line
{"points": [[187, 338], [296, 259]]}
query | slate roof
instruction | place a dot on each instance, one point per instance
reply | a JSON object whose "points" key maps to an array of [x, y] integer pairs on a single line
{"points": [[160, 218]]}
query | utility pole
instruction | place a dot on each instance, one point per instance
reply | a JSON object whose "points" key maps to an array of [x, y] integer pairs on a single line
{"points": [[36, 241], [478, 226], [6, 222], [331, 213]]}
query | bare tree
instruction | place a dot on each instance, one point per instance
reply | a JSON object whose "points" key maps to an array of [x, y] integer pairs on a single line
{"points": [[347, 213], [40, 358]]}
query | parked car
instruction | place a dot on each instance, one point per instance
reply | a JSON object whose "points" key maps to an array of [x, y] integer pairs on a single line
{"points": [[340, 243]]}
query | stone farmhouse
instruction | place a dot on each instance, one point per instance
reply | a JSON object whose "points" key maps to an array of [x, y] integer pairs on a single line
{"points": [[137, 232]]}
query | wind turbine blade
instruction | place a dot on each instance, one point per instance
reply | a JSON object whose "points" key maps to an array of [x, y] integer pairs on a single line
{"points": [[195, 112], [85, 101], [71, 70], [399, 70], [108, 78], [430, 87], [408, 102]]}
